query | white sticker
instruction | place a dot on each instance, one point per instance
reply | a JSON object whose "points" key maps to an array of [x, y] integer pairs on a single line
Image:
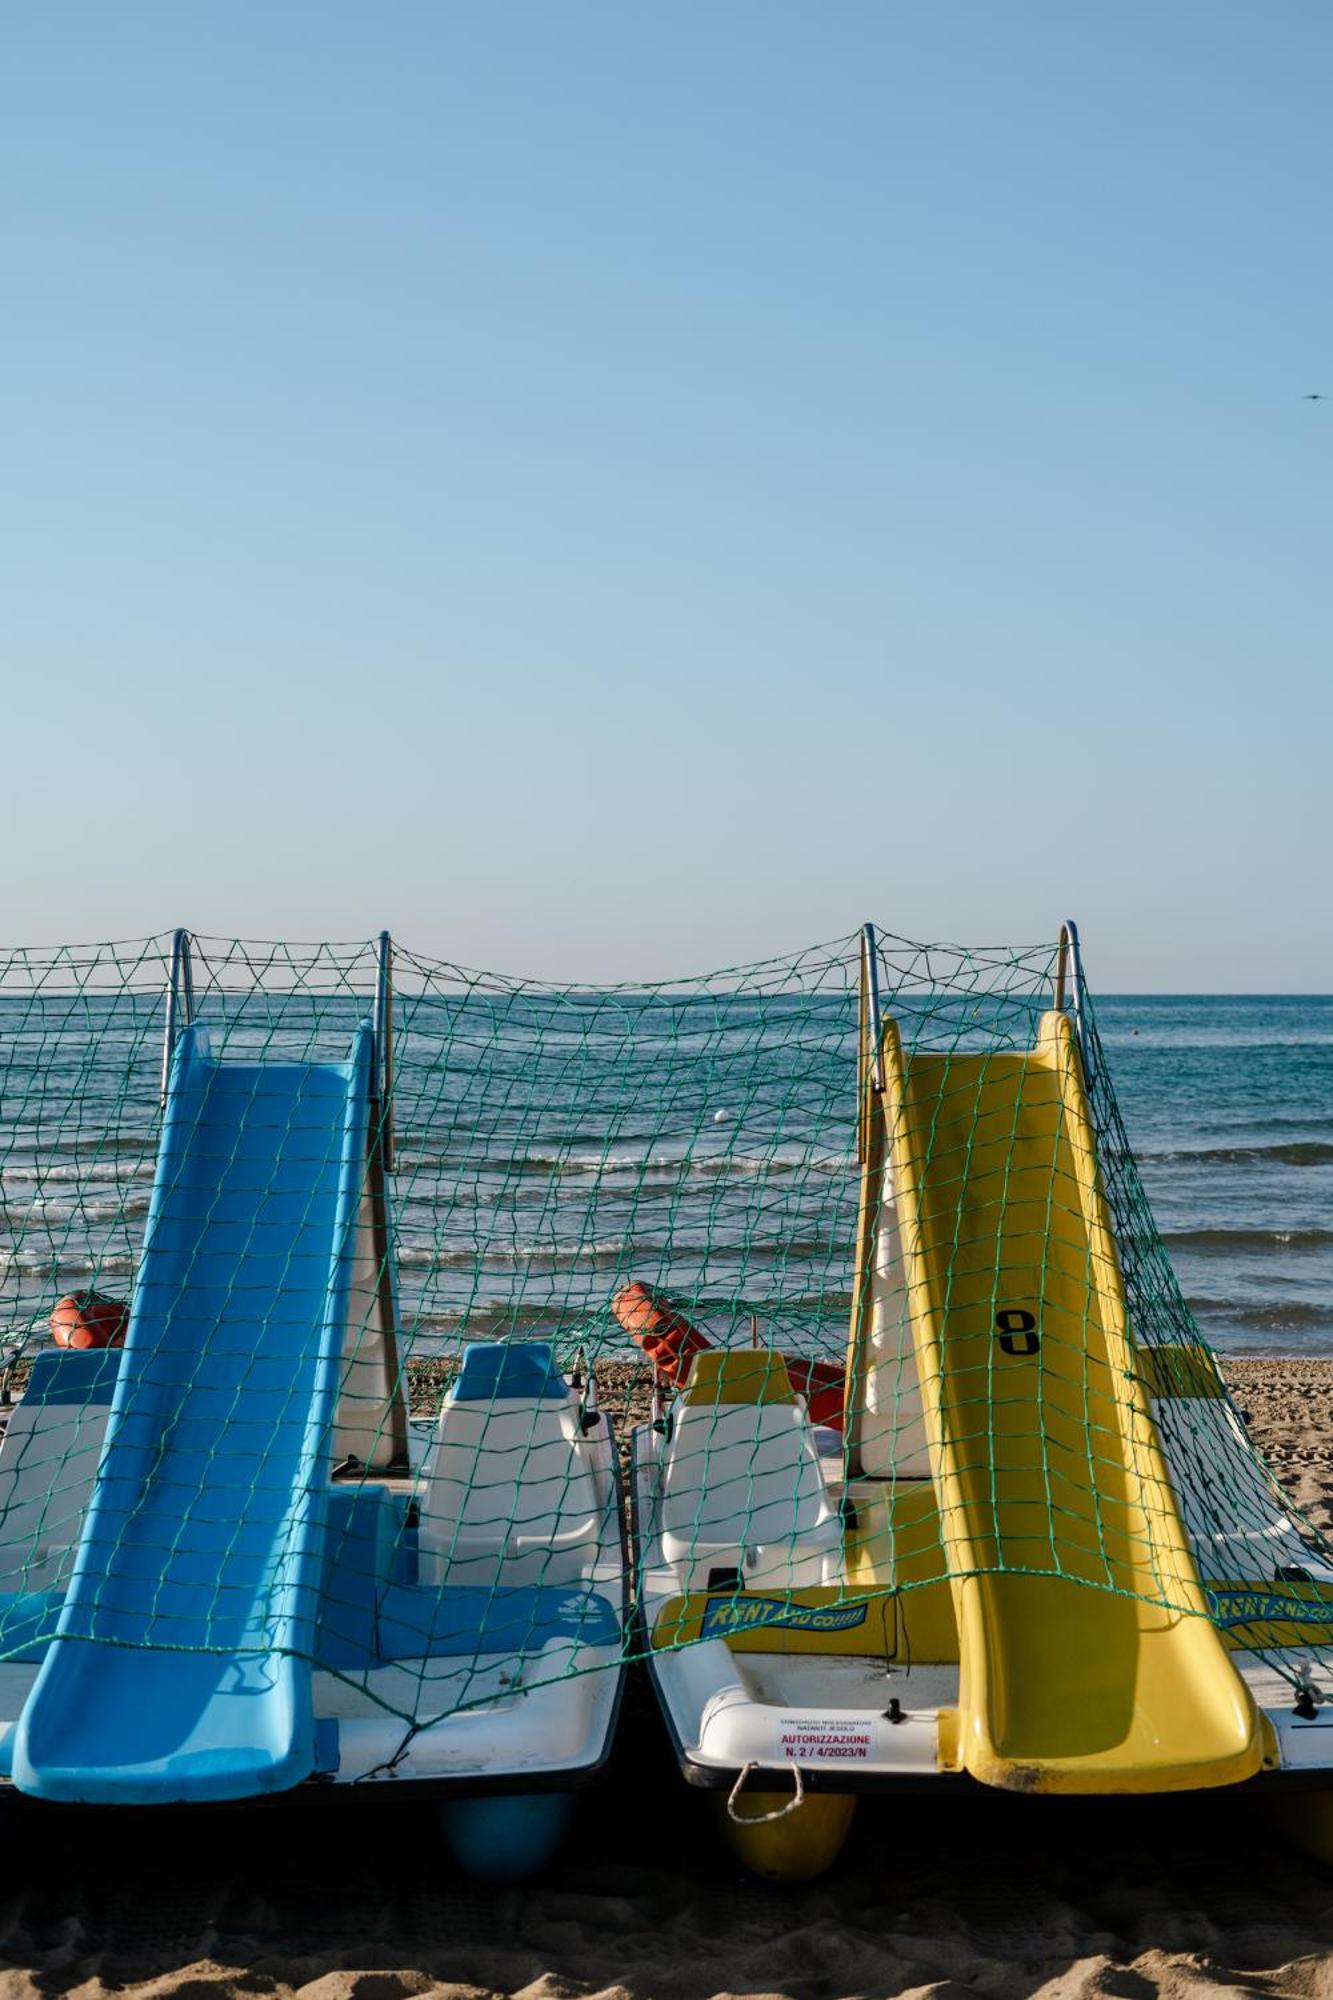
{"points": [[826, 1739]]}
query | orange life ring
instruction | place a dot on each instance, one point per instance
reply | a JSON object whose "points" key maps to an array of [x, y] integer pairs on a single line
{"points": [[671, 1341], [665, 1335], [89, 1319]]}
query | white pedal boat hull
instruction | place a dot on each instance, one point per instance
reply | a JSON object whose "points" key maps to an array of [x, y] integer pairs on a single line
{"points": [[524, 1698]]}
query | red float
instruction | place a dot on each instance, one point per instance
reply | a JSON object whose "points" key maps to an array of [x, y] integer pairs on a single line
{"points": [[670, 1341], [89, 1319]]}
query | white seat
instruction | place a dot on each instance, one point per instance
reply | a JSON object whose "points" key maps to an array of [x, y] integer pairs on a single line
{"points": [[48, 1461], [508, 1494], [742, 1487]]}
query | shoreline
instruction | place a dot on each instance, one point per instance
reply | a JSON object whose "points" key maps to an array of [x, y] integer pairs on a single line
{"points": [[1289, 1407]]}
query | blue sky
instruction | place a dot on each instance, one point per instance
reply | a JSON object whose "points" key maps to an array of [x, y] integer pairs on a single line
{"points": [[610, 490]]}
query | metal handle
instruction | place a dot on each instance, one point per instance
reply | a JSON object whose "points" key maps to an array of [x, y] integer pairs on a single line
{"points": [[180, 1003], [585, 1381], [1069, 979], [384, 1047]]}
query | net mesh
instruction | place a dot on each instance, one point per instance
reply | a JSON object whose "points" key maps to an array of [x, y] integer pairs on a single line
{"points": [[394, 1330]]}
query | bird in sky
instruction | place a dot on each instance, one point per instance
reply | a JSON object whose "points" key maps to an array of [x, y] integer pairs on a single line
{"points": [[1314, 396]]}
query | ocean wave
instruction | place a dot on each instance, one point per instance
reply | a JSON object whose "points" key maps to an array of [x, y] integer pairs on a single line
{"points": [[627, 1252], [485, 1320], [1294, 1153], [1275, 1121], [1242, 1240], [1277, 1313], [43, 1214], [509, 1256], [116, 1211], [1137, 1046], [66, 1264], [35, 1173], [645, 1166]]}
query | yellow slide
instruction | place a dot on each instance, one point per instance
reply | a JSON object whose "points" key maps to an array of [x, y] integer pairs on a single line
{"points": [[1088, 1663]]}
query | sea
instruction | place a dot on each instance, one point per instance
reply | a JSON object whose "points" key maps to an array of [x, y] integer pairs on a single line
{"points": [[551, 1147], [1228, 1103]]}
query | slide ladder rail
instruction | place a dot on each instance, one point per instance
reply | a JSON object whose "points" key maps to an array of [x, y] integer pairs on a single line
{"points": [[376, 1380], [383, 1030], [1070, 988], [180, 1003]]}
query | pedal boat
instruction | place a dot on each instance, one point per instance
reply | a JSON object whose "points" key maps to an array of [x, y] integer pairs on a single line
{"points": [[471, 1608], [1041, 1556]]}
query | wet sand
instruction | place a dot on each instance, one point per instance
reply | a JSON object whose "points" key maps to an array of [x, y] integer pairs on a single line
{"points": [[1001, 1897]]}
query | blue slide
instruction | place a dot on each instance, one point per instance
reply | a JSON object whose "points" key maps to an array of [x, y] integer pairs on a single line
{"points": [[198, 1569]]}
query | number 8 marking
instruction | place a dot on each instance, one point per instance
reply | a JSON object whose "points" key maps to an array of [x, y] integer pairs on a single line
{"points": [[1016, 1330]]}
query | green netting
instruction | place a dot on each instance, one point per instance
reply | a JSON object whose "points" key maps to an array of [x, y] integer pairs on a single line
{"points": [[298, 1470]]}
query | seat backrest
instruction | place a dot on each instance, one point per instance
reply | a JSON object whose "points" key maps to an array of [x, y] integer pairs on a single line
{"points": [[48, 1461], [505, 1463], [742, 1468]]}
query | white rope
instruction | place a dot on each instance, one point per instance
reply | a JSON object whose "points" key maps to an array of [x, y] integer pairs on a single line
{"points": [[762, 1819]]}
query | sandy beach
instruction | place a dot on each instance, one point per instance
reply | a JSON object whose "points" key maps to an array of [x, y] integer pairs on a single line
{"points": [[1008, 1898]]}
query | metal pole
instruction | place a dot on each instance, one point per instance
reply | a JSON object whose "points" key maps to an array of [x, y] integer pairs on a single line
{"points": [[379, 1163], [870, 967], [384, 1046], [180, 1003]]}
